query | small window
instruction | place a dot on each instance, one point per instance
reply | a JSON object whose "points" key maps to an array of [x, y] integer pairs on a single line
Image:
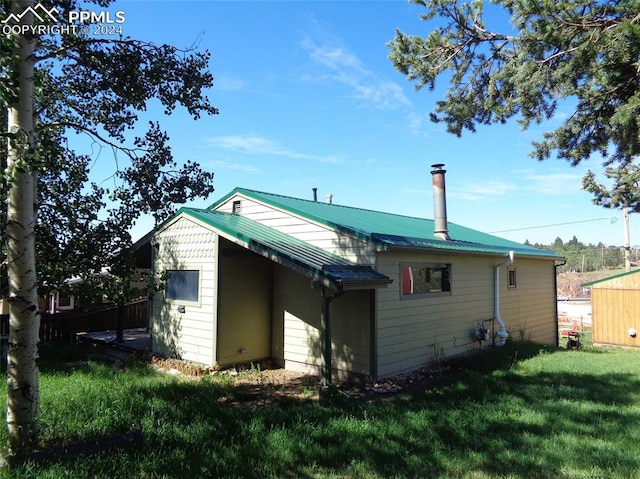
{"points": [[418, 279], [237, 207], [183, 285], [64, 301], [511, 278]]}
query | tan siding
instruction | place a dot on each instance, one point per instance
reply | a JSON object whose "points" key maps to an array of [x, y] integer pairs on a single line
{"points": [[529, 309], [614, 311], [414, 331], [302, 341], [297, 308], [615, 305], [184, 244], [353, 249], [244, 309], [351, 332]]}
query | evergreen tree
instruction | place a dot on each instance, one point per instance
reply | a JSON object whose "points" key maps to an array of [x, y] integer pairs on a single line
{"points": [[624, 191], [586, 50], [624, 194]]}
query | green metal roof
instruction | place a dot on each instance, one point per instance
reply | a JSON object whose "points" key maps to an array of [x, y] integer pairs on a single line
{"points": [[609, 278], [391, 230], [310, 259]]}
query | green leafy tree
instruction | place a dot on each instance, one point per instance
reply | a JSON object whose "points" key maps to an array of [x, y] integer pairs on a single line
{"points": [[583, 50], [57, 221]]}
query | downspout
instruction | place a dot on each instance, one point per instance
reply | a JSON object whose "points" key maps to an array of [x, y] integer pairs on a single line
{"points": [[325, 324], [502, 331]]}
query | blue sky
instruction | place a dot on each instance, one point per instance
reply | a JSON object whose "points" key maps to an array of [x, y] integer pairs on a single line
{"points": [[308, 98]]}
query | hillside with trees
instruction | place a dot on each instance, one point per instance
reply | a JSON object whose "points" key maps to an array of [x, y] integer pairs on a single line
{"points": [[585, 258], [585, 262]]}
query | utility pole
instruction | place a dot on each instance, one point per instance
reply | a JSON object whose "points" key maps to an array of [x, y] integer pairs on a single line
{"points": [[627, 240]]}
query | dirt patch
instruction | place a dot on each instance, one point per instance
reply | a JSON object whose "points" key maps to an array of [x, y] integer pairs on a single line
{"points": [[570, 284], [261, 385]]}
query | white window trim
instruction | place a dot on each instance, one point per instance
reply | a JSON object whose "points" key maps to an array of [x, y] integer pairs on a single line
{"points": [[419, 264], [72, 302], [182, 302], [515, 283]]}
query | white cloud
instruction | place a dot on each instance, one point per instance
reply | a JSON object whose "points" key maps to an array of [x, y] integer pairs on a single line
{"points": [[228, 165], [257, 145], [417, 125], [554, 181], [483, 190], [341, 66], [519, 184], [228, 83]]}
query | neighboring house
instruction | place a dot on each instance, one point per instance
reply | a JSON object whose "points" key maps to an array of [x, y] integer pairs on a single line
{"points": [[313, 285], [59, 301], [62, 300], [615, 309]]}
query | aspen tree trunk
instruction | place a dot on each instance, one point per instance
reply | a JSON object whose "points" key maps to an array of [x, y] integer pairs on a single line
{"points": [[23, 398]]}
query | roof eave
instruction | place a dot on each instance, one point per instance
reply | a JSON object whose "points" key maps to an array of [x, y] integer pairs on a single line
{"points": [[458, 252], [373, 284], [321, 275]]}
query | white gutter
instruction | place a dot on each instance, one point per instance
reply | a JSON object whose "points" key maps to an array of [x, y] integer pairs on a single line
{"points": [[502, 332]]}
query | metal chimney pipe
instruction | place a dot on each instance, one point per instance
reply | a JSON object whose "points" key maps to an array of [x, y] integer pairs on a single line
{"points": [[315, 194], [441, 230], [329, 198]]}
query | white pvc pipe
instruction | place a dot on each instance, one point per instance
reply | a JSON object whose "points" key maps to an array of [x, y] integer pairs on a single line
{"points": [[502, 332]]}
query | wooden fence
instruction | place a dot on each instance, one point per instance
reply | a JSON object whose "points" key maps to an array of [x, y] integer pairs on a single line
{"points": [[66, 326]]}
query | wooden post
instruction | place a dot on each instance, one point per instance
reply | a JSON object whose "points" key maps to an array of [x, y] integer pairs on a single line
{"points": [[119, 327], [627, 240], [325, 325]]}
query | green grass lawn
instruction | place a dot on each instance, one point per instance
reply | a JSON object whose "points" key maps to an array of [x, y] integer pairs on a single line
{"points": [[522, 411]]}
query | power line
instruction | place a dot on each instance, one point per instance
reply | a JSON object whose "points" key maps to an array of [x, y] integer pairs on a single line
{"points": [[612, 219]]}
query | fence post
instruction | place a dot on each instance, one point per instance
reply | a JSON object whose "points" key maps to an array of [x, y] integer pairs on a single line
{"points": [[119, 328]]}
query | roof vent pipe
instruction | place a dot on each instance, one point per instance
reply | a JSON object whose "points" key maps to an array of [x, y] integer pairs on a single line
{"points": [[329, 198], [441, 230], [315, 194]]}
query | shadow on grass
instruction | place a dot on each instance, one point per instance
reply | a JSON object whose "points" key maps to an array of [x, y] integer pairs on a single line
{"points": [[65, 357], [496, 419]]}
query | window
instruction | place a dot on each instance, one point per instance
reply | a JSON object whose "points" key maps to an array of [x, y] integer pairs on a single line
{"points": [[237, 207], [420, 279], [64, 301], [183, 285], [511, 278]]}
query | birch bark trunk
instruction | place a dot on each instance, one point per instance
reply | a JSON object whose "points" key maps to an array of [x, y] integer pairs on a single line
{"points": [[23, 398]]}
